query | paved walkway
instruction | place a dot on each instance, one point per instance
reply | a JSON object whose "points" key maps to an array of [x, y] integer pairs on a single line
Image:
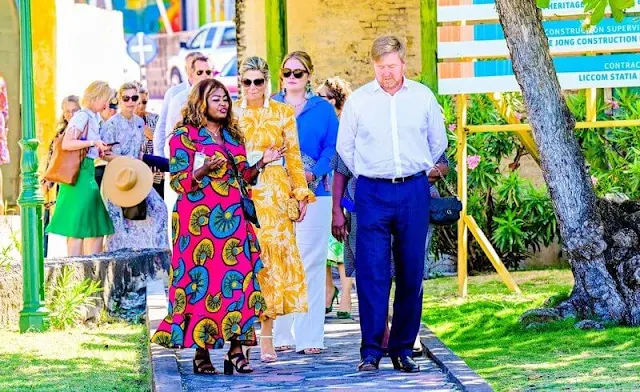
{"points": [[334, 369]]}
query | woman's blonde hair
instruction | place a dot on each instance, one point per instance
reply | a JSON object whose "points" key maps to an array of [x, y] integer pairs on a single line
{"points": [[127, 86], [388, 44], [95, 91], [194, 113], [302, 57], [339, 90], [255, 63]]}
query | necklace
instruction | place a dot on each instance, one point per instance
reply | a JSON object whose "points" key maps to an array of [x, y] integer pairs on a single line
{"points": [[299, 104], [215, 133]]}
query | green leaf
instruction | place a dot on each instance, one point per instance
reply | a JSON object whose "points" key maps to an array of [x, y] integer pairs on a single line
{"points": [[598, 12], [590, 5], [618, 14], [621, 4], [543, 3]]}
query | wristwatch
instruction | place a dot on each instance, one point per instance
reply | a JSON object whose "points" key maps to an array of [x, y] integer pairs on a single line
{"points": [[93, 143]]}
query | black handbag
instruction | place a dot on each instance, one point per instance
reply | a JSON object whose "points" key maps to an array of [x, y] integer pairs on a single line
{"points": [[137, 212], [248, 207], [445, 211]]}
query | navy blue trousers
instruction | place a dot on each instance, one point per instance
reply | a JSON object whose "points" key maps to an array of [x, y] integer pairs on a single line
{"points": [[385, 209]]}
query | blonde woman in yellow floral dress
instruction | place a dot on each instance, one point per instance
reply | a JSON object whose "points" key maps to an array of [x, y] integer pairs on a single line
{"points": [[281, 188]]}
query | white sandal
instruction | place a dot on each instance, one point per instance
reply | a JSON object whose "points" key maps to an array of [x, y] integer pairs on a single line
{"points": [[267, 357], [284, 348]]}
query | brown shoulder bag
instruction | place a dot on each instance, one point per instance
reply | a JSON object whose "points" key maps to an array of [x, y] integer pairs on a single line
{"points": [[64, 167]]}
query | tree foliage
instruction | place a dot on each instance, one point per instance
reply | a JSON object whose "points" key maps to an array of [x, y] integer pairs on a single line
{"points": [[515, 215], [596, 9]]}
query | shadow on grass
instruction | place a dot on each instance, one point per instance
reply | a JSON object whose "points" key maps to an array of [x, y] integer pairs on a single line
{"points": [[484, 330]]}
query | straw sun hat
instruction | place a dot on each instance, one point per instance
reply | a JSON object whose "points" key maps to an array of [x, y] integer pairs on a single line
{"points": [[127, 181]]}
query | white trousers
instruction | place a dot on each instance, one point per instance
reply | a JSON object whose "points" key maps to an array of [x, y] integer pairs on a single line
{"points": [[170, 196], [306, 330]]}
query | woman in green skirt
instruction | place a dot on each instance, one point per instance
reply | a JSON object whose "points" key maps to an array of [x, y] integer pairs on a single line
{"points": [[80, 213]]}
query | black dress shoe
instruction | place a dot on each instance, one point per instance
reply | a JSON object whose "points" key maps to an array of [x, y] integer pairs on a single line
{"points": [[405, 364], [369, 364]]}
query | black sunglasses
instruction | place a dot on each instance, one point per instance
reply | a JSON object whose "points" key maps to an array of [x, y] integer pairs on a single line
{"points": [[256, 82], [327, 97], [297, 73], [200, 72], [134, 98]]}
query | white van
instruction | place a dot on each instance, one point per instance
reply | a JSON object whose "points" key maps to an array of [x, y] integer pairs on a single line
{"points": [[217, 40]]}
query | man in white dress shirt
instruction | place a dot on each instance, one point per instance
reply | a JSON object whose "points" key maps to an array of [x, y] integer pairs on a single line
{"points": [[391, 132], [201, 69], [159, 135]]}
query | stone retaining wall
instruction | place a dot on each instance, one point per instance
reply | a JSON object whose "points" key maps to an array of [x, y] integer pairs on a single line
{"points": [[123, 275]]}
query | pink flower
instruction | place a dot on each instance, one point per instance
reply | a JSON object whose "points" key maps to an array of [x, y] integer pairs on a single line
{"points": [[594, 180], [452, 127], [613, 103], [517, 115], [473, 161]]}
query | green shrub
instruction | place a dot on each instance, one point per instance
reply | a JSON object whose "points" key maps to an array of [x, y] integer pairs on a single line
{"points": [[7, 251], [67, 299], [516, 216]]}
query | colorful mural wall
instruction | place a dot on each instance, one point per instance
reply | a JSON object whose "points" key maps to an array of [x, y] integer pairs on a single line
{"points": [[144, 15]]}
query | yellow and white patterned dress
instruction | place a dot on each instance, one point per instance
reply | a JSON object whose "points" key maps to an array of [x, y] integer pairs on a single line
{"points": [[282, 280]]}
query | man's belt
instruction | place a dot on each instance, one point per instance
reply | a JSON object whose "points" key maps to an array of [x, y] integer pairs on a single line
{"points": [[401, 179]]}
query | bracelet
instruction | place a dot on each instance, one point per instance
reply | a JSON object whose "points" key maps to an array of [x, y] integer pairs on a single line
{"points": [[259, 166], [92, 143]]}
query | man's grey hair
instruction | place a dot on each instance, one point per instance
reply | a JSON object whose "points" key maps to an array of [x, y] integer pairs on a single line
{"points": [[388, 44]]}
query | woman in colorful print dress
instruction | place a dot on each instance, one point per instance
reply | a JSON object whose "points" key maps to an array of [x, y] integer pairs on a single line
{"points": [[265, 122], [127, 130], [214, 295]]}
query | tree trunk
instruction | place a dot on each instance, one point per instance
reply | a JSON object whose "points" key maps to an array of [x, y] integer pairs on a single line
{"points": [[240, 34], [602, 252]]}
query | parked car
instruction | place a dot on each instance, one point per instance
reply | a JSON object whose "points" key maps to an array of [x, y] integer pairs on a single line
{"points": [[216, 40], [229, 77]]}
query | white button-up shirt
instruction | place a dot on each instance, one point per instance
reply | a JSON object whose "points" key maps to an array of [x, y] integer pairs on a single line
{"points": [[173, 114], [91, 120], [391, 136], [159, 134]]}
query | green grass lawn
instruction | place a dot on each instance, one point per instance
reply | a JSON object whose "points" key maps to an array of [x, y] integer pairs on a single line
{"points": [[484, 331], [111, 357]]}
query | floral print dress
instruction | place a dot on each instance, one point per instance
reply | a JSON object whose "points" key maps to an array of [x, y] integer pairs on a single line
{"points": [[282, 279], [214, 295], [151, 232]]}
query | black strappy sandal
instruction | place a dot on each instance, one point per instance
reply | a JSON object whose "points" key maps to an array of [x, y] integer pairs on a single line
{"points": [[203, 365], [237, 362]]}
